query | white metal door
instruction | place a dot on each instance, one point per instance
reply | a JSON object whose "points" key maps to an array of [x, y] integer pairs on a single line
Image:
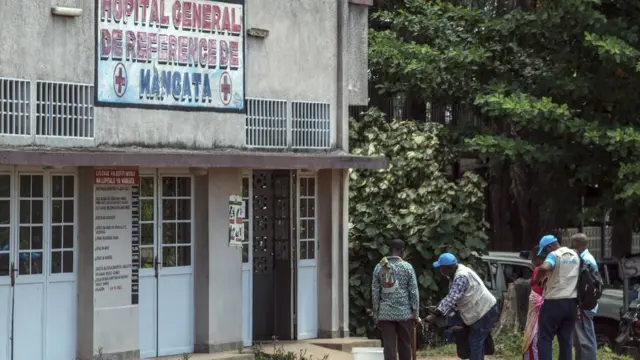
{"points": [[37, 264], [307, 293], [247, 262], [247, 258], [166, 321]]}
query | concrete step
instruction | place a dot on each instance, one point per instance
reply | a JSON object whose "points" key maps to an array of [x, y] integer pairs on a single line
{"points": [[225, 355], [305, 350], [346, 344]]}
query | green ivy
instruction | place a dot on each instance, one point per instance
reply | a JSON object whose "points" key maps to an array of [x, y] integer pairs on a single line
{"points": [[414, 200]]}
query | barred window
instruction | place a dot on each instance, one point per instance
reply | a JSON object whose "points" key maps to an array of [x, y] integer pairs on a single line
{"points": [[64, 109], [15, 111]]}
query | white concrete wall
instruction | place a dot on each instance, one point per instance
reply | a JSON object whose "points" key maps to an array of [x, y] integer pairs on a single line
{"points": [[298, 61], [333, 272], [223, 268], [108, 331]]}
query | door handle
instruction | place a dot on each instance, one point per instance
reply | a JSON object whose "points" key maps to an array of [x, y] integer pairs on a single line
{"points": [[13, 271], [156, 265]]}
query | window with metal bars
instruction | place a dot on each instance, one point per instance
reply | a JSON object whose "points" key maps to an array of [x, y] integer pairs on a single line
{"points": [[266, 123], [64, 109], [15, 107], [311, 125]]}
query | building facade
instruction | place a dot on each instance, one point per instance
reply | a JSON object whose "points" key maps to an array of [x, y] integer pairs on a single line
{"points": [[174, 173]]}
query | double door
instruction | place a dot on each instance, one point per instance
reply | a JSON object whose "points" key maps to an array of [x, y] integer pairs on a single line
{"points": [[166, 324], [37, 264], [279, 274]]}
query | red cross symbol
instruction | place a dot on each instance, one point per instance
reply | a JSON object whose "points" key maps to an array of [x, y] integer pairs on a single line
{"points": [[225, 88], [119, 80]]}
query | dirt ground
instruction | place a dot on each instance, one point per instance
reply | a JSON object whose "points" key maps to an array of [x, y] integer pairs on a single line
{"points": [[440, 357]]}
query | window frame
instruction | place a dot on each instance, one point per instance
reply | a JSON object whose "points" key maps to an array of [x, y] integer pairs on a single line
{"points": [[46, 275], [157, 175]]}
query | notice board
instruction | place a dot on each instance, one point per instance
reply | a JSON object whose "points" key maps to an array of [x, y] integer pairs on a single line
{"points": [[116, 237]]}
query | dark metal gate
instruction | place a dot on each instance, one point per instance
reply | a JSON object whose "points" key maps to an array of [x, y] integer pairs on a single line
{"points": [[272, 278]]}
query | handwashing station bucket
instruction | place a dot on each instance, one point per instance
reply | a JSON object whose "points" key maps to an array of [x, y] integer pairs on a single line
{"points": [[367, 353]]}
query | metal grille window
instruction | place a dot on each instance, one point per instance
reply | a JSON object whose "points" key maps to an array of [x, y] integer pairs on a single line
{"points": [[176, 221], [5, 224], [307, 216], [31, 223], [147, 221], [311, 125], [64, 109], [266, 123], [62, 223], [15, 110]]}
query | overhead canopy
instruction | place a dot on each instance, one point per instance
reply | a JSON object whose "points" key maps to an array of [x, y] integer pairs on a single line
{"points": [[152, 157]]}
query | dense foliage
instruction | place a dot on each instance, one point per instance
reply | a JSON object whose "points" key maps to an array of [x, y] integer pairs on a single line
{"points": [[553, 86], [414, 201]]}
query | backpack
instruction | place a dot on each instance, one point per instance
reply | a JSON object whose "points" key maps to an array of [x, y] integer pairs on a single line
{"points": [[589, 286], [388, 276]]}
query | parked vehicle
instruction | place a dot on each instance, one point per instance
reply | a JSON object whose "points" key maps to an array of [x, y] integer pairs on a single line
{"points": [[628, 340], [502, 268]]}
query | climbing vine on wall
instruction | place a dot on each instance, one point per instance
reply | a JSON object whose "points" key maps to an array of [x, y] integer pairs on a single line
{"points": [[414, 200]]}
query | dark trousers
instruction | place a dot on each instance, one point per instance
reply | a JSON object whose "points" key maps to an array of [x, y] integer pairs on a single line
{"points": [[479, 331], [556, 318], [396, 339], [465, 337]]}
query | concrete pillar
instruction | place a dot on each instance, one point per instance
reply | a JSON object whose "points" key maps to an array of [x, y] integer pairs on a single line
{"points": [[201, 262], [344, 252], [85, 263], [102, 333], [219, 270], [333, 265]]}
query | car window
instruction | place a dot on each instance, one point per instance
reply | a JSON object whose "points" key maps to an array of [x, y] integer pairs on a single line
{"points": [[610, 275], [487, 275], [513, 272]]}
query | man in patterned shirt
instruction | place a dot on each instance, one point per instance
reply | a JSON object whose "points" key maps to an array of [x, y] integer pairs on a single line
{"points": [[394, 293], [476, 306]]}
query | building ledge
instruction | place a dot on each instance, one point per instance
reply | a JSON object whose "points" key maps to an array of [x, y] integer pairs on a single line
{"points": [[361, 2], [166, 157]]}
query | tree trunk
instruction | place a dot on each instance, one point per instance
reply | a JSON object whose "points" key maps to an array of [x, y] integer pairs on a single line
{"points": [[509, 315], [521, 179], [622, 234], [501, 218]]}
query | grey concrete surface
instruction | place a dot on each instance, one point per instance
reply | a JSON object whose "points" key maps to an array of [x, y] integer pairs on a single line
{"points": [[297, 61]]}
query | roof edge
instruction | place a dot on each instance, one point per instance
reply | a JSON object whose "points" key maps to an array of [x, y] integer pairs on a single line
{"points": [[191, 158]]}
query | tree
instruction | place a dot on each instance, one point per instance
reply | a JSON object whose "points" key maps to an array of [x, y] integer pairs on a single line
{"points": [[414, 200], [553, 86]]}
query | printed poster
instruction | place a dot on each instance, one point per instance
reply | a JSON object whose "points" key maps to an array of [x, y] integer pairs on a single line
{"points": [[236, 216]]}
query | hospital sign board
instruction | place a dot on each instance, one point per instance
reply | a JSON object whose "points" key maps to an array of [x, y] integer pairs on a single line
{"points": [[179, 54]]}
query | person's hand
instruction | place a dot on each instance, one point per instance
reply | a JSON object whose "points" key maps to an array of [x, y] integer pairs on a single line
{"points": [[431, 309], [417, 320], [431, 318]]}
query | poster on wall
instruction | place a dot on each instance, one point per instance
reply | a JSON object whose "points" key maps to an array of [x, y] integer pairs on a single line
{"points": [[116, 237], [170, 54], [236, 215]]}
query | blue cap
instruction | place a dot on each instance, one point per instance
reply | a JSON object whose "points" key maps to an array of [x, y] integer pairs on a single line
{"points": [[445, 259], [545, 241]]}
